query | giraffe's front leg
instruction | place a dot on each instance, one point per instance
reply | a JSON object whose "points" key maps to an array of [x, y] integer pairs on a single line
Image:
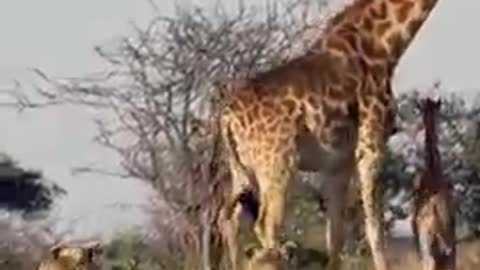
{"points": [[370, 155]]}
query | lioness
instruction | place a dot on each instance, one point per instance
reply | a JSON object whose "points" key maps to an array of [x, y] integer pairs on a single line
{"points": [[66, 257]]}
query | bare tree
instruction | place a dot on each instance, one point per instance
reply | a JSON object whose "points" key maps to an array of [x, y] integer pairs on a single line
{"points": [[153, 100], [24, 243]]}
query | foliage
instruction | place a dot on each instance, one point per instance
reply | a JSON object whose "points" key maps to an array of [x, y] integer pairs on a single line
{"points": [[24, 191], [128, 251], [22, 245]]}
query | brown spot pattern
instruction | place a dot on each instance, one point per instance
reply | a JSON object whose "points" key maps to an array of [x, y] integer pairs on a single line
{"points": [[322, 95], [414, 25], [289, 105], [403, 11], [382, 28], [379, 12], [395, 41]]}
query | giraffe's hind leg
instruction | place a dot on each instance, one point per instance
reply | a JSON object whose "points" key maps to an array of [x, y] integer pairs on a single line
{"points": [[229, 224], [230, 214], [337, 191], [273, 180]]}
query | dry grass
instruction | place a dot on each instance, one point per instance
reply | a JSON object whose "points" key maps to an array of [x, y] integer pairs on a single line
{"points": [[402, 256], [401, 253]]}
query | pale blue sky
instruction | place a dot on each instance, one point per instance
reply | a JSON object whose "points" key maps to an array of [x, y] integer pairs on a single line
{"points": [[58, 36]]}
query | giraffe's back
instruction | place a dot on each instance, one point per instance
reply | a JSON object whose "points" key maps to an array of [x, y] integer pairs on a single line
{"points": [[308, 105]]}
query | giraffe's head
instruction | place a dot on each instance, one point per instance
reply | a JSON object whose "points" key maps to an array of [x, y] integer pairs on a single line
{"points": [[428, 104], [430, 109]]}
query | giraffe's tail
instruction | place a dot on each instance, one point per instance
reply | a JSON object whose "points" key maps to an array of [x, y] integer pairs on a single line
{"points": [[248, 198]]}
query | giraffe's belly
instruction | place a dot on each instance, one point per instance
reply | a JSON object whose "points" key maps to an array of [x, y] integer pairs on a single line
{"points": [[325, 155]]}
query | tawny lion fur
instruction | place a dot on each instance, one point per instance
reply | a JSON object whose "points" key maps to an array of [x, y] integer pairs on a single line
{"points": [[69, 257]]}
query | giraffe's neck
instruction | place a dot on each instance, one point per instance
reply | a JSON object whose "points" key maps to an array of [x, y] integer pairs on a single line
{"points": [[377, 30], [432, 154]]}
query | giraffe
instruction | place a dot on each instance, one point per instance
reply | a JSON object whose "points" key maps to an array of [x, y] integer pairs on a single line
{"points": [[331, 111], [433, 221]]}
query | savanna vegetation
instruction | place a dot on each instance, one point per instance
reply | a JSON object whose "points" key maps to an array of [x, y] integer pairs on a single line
{"points": [[153, 107]]}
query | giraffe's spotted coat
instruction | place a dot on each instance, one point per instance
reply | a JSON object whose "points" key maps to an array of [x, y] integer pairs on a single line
{"points": [[330, 111], [433, 221]]}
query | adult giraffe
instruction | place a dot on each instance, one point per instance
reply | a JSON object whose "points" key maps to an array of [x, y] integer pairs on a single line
{"points": [[330, 111], [433, 221]]}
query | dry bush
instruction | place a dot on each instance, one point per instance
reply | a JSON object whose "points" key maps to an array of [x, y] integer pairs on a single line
{"points": [[153, 102], [153, 105], [22, 245]]}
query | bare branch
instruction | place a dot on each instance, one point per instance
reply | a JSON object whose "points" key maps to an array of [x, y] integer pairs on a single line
{"points": [[153, 100]]}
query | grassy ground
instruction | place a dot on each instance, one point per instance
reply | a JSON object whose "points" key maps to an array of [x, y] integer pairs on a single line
{"points": [[400, 252], [306, 227]]}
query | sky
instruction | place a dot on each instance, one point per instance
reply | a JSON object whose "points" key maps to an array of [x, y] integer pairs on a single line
{"points": [[58, 37]]}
